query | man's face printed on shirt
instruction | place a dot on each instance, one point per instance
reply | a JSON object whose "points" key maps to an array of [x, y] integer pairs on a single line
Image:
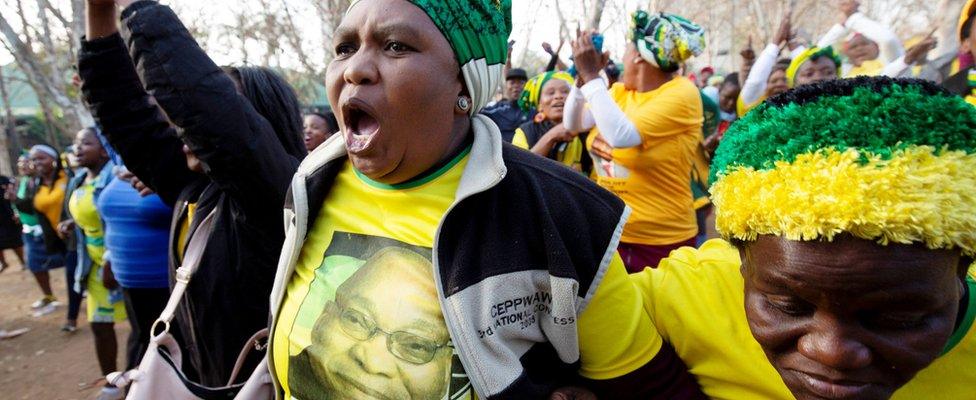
{"points": [[382, 336]]}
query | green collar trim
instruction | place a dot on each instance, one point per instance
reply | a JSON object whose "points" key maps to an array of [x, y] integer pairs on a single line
{"points": [[415, 183], [967, 319]]}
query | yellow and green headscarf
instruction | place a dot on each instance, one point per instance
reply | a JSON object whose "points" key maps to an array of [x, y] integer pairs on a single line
{"points": [[666, 40], [811, 53], [529, 100], [478, 32], [888, 160]]}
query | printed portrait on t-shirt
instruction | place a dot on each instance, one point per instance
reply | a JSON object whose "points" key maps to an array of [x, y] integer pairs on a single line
{"points": [[373, 327]]}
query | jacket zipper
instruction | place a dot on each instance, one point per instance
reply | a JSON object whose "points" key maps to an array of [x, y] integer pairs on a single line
{"points": [[452, 324]]}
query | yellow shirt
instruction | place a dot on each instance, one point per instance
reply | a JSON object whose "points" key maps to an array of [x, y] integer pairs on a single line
{"points": [[867, 68], [361, 313], [49, 200], [83, 211], [571, 156], [181, 237], [654, 178], [695, 299]]}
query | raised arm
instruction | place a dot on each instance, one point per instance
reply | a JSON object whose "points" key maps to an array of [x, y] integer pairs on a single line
{"points": [[619, 131], [614, 126], [889, 46], [755, 84], [238, 147], [834, 35], [576, 117], [128, 116]]}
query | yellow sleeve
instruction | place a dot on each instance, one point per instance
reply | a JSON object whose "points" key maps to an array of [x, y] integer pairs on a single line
{"points": [[519, 140], [616, 335], [741, 108]]}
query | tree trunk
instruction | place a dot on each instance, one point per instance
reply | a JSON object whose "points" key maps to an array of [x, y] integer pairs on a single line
{"points": [[47, 83], [8, 140], [596, 14]]}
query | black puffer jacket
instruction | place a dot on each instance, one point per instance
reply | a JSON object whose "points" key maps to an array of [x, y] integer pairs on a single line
{"points": [[247, 169]]}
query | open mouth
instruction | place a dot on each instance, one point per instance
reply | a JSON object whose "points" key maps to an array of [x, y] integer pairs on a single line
{"points": [[361, 125]]}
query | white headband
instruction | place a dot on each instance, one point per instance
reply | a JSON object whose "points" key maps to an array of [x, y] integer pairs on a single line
{"points": [[46, 150]]}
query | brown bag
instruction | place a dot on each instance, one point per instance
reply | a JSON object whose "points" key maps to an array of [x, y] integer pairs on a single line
{"points": [[160, 376]]}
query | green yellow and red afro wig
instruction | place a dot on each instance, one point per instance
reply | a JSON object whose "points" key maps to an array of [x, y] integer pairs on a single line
{"points": [[888, 160]]}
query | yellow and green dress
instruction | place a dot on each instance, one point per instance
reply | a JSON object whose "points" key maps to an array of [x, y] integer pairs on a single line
{"points": [[100, 306]]}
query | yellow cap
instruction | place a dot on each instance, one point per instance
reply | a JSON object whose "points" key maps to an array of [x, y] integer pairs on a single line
{"points": [[967, 12]]}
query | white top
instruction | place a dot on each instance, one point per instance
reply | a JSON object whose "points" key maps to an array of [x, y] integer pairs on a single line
{"points": [[603, 112], [755, 85], [889, 46]]}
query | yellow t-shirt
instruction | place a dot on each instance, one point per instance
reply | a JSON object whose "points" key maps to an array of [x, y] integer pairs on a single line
{"points": [[181, 237], [83, 211], [867, 68], [571, 156], [696, 300], [49, 200], [361, 313], [654, 178]]}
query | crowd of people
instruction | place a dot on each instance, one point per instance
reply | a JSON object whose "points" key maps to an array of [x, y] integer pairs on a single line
{"points": [[452, 227]]}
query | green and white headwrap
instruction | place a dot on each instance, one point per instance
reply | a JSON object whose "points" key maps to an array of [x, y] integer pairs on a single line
{"points": [[478, 32], [666, 40]]}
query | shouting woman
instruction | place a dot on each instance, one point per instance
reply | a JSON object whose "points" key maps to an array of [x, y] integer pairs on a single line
{"points": [[408, 273]]}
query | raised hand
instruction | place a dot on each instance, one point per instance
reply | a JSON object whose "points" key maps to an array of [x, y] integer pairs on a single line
{"points": [[101, 19], [920, 50], [547, 48], [589, 62], [847, 8], [748, 53], [784, 33]]}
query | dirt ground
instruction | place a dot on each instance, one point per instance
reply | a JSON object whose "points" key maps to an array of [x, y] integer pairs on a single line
{"points": [[45, 363]]}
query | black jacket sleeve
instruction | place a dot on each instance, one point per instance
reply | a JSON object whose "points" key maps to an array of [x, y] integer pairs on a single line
{"points": [[130, 118], [238, 147]]}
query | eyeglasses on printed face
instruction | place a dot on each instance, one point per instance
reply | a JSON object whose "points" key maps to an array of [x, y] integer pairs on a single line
{"points": [[403, 345]]}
